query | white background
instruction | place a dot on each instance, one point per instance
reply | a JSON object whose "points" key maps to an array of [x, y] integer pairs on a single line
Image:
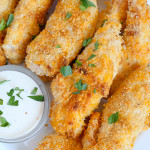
{"points": [[141, 143]]}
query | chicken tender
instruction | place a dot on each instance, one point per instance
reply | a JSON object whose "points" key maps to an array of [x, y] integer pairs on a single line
{"points": [[28, 17], [60, 42], [6, 8], [98, 66], [136, 51], [55, 141], [89, 138], [132, 102]]}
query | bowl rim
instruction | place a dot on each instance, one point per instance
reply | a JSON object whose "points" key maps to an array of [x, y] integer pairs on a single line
{"points": [[45, 114]]}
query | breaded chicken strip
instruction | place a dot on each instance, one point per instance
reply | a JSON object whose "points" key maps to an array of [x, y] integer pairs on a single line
{"points": [[136, 51], [28, 17], [89, 139], [99, 65], [6, 8], [55, 141], [59, 43], [132, 101]]}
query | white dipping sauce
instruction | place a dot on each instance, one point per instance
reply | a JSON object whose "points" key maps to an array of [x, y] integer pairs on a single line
{"points": [[24, 117]]}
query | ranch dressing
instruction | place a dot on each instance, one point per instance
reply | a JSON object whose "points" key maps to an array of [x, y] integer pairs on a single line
{"points": [[24, 117]]}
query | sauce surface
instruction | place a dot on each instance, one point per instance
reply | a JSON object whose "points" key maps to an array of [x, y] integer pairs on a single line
{"points": [[24, 117]]}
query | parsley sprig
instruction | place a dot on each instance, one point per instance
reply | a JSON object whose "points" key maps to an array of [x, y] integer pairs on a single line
{"points": [[20, 90], [12, 101], [80, 86], [66, 70], [113, 118], [4, 25], [85, 4]]}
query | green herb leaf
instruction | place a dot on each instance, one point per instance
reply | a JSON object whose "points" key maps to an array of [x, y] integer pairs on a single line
{"points": [[4, 122], [85, 4], [34, 91], [1, 102], [34, 36], [79, 63], [94, 91], [68, 15], [1, 112], [113, 118], [103, 22], [3, 25], [86, 42], [37, 98], [96, 46], [92, 56], [12, 101], [10, 93], [1, 82], [58, 46], [20, 90], [10, 19], [92, 65], [80, 86], [66, 70]]}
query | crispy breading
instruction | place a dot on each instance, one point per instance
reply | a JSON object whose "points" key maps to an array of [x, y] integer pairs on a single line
{"points": [[6, 8], [132, 101], [68, 111], [136, 51], [27, 18], [43, 57], [55, 141], [89, 139]]}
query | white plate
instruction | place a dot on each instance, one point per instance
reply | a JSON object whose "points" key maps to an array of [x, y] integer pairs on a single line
{"points": [[141, 143]]}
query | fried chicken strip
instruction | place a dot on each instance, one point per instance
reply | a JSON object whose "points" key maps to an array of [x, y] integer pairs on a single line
{"points": [[55, 141], [6, 7], [62, 38], [132, 101], [68, 110], [136, 51], [28, 17]]}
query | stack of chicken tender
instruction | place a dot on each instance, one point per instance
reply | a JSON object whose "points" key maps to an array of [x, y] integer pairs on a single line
{"points": [[113, 64]]}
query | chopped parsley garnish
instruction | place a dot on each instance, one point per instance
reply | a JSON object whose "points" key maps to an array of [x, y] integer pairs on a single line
{"points": [[58, 46], [68, 15], [96, 46], [79, 63], [39, 98], [20, 90], [1, 102], [10, 93], [113, 118], [92, 65], [80, 86], [4, 122], [66, 70], [1, 82], [34, 91], [12, 101], [103, 22], [94, 91], [1, 112], [85, 4], [92, 56], [86, 42], [34, 36], [4, 25]]}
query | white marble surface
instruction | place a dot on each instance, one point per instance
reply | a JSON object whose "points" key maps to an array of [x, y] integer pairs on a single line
{"points": [[142, 142]]}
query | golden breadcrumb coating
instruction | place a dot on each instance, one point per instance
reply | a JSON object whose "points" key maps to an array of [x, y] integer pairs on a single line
{"points": [[136, 48], [6, 7], [55, 141], [68, 111], [28, 17], [132, 101], [43, 57], [89, 139], [115, 11]]}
